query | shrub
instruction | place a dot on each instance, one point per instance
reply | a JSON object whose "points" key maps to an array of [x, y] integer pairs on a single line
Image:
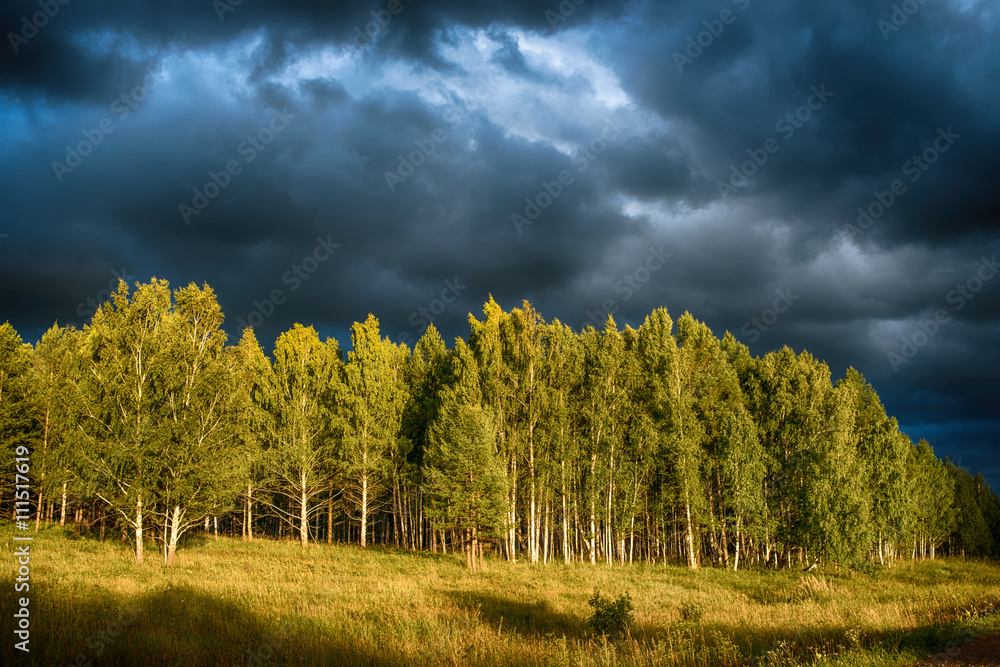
{"points": [[869, 568], [691, 611], [611, 619], [781, 654]]}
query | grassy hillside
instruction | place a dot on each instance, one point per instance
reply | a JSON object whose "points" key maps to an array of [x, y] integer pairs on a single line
{"points": [[270, 603]]}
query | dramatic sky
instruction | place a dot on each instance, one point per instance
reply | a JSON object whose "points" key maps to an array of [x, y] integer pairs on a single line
{"points": [[411, 158]]}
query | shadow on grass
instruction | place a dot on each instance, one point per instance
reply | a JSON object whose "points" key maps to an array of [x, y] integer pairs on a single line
{"points": [[726, 643], [521, 617], [175, 626]]}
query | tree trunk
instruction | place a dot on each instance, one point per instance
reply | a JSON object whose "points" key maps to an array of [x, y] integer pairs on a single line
{"points": [[722, 520], [533, 521], [249, 519], [565, 515], [138, 525], [397, 511], [736, 556], [689, 533], [329, 516], [303, 512], [611, 492], [39, 508], [576, 527], [512, 537], [475, 546], [62, 514], [467, 547], [175, 520], [631, 542], [420, 517], [364, 511], [215, 520], [593, 513]]}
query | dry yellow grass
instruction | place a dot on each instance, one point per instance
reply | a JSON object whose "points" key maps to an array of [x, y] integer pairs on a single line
{"points": [[230, 602]]}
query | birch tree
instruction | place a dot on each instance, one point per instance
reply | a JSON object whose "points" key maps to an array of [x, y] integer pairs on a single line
{"points": [[53, 395], [123, 392], [253, 422], [375, 398], [564, 368], [497, 383], [302, 393], [201, 470], [668, 371], [883, 452], [522, 336]]}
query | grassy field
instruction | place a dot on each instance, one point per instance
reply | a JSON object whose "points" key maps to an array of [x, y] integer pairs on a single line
{"points": [[271, 603]]}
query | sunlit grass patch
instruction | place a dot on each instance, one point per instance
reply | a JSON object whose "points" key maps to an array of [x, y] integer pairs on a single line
{"points": [[231, 602]]}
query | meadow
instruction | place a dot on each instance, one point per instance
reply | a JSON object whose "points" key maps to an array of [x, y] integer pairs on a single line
{"points": [[230, 602]]}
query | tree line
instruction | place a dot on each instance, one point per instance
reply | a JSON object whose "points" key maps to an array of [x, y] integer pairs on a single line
{"points": [[528, 440]]}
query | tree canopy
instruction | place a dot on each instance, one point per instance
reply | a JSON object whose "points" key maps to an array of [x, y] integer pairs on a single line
{"points": [[527, 439]]}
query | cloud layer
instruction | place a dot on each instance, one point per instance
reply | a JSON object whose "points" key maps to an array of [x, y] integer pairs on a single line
{"points": [[819, 177]]}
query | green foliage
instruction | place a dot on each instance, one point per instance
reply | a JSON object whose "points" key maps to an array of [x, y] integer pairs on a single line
{"points": [[155, 400], [464, 479], [373, 403], [779, 654], [15, 404], [300, 392], [691, 611], [616, 445], [612, 619], [55, 437]]}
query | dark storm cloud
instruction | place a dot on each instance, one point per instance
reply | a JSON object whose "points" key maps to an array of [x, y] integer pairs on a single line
{"points": [[475, 109], [889, 99], [59, 60]]}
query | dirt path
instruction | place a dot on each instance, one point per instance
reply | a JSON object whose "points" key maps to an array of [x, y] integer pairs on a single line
{"points": [[982, 652]]}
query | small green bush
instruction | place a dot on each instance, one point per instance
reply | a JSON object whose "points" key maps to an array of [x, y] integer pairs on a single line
{"points": [[691, 611], [869, 568], [611, 619]]}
